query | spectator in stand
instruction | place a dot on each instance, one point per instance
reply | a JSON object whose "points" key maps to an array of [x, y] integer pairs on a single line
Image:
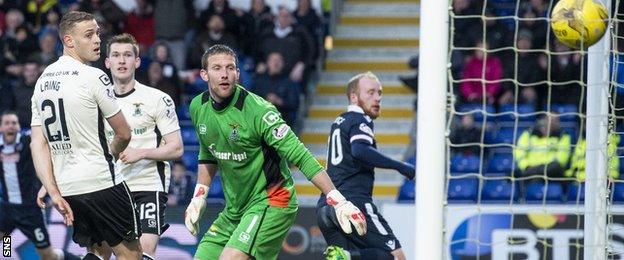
{"points": [[47, 53], [35, 12], [156, 79], [466, 132], [277, 88], [543, 150], [531, 12], [292, 42], [577, 161], [473, 83], [526, 73], [161, 53], [215, 34], [564, 66], [172, 20], [181, 186], [106, 10], [307, 17], [24, 45], [20, 91], [258, 19], [14, 18], [231, 17], [140, 24]]}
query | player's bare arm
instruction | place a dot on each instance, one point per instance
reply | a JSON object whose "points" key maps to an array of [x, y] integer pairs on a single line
{"points": [[171, 150], [122, 133], [43, 166]]}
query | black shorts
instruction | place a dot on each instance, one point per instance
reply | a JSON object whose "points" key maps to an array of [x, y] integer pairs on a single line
{"points": [[151, 206], [107, 215], [28, 219], [378, 233]]}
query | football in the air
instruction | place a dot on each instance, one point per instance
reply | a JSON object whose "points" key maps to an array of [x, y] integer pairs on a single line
{"points": [[579, 23]]}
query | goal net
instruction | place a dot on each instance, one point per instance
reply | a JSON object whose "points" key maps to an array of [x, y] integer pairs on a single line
{"points": [[516, 143]]}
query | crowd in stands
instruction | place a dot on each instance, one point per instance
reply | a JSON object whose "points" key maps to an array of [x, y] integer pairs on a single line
{"points": [[277, 51], [519, 99]]}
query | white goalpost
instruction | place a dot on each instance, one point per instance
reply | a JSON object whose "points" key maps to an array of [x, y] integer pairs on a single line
{"points": [[514, 225], [431, 129], [596, 194]]}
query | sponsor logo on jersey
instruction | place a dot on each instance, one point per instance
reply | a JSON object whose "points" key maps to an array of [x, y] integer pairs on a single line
{"points": [[391, 244], [168, 101], [339, 120], [213, 230], [280, 131], [137, 109], [211, 147], [244, 237], [364, 128], [202, 129], [151, 223], [270, 118], [234, 136], [105, 80]]}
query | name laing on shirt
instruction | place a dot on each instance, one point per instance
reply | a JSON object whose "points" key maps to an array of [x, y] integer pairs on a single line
{"points": [[53, 84]]}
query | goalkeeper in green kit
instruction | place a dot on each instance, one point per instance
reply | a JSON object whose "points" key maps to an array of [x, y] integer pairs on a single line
{"points": [[245, 138]]}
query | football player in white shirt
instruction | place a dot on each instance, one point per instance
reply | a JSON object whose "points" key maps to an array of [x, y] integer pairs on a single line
{"points": [[156, 139], [71, 155]]}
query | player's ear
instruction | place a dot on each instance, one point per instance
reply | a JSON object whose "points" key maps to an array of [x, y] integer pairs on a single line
{"points": [[107, 63], [137, 62], [204, 75], [68, 40]]}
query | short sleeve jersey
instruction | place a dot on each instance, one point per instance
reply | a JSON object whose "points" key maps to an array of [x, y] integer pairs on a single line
{"points": [[251, 145], [352, 177], [151, 115], [70, 102]]}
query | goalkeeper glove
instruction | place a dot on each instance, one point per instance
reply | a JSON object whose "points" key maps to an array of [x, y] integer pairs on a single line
{"points": [[346, 213], [195, 209]]}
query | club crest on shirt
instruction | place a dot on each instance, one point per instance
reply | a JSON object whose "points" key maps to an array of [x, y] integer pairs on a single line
{"points": [[137, 109], [234, 136], [202, 129]]}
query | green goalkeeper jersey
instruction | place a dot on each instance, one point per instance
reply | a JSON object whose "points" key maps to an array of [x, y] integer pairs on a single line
{"points": [[251, 145]]}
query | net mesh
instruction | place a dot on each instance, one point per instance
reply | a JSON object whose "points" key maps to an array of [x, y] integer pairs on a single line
{"points": [[516, 134]]}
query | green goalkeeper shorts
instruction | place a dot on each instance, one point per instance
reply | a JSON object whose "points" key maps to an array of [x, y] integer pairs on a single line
{"points": [[259, 233]]}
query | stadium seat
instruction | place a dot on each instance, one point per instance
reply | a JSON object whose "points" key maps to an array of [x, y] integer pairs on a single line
{"points": [[189, 158], [618, 193], [576, 193], [524, 113], [463, 190], [407, 192], [188, 135], [465, 163], [505, 135], [498, 191], [477, 111], [539, 192], [184, 113], [500, 163], [566, 109]]}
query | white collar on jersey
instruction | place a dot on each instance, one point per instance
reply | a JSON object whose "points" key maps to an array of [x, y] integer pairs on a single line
{"points": [[358, 109], [355, 108]]}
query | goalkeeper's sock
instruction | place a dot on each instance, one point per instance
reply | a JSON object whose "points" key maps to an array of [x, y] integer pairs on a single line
{"points": [[147, 257]]}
